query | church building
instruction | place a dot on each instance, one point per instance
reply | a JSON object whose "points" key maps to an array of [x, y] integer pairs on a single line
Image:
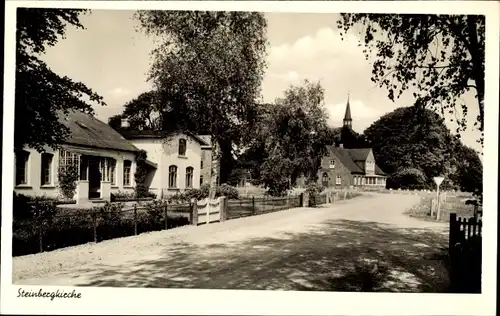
{"points": [[346, 167]]}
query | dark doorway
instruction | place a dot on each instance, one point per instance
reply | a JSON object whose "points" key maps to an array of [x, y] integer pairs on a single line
{"points": [[94, 178]]}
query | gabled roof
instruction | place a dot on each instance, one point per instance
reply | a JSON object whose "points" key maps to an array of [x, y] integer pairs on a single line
{"points": [[144, 134], [88, 131], [353, 159]]}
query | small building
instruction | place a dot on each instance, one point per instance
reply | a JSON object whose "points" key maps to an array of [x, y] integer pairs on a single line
{"points": [[105, 161], [175, 159], [356, 167]]}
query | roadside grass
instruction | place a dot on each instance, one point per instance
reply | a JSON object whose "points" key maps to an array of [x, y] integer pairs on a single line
{"points": [[422, 210]]}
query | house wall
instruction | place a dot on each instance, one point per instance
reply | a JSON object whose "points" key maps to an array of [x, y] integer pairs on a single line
{"points": [[165, 153], [370, 164], [154, 151], [34, 187], [206, 157], [339, 170]]}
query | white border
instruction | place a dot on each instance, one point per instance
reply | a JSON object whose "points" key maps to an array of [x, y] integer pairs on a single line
{"points": [[170, 301]]}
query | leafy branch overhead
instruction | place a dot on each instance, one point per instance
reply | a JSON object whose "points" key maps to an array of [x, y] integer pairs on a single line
{"points": [[208, 67], [440, 58], [40, 94]]}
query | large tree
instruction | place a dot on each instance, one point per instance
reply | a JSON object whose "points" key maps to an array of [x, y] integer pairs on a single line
{"points": [[40, 94], [210, 66], [412, 138], [440, 58], [294, 134]]}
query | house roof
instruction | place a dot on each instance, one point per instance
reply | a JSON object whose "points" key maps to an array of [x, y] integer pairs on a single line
{"points": [[354, 158], [88, 131], [207, 139], [144, 134]]}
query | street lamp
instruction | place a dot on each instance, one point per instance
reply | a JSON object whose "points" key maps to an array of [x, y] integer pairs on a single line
{"points": [[438, 181]]}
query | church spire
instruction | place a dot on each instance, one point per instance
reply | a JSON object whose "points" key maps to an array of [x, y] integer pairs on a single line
{"points": [[347, 116]]}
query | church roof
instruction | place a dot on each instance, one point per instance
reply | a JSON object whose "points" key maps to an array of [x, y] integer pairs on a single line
{"points": [[347, 115], [354, 158]]}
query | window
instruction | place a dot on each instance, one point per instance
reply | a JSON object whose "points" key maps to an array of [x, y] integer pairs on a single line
{"points": [[338, 180], [332, 164], [201, 180], [172, 177], [67, 158], [189, 177], [325, 177], [182, 147], [112, 171], [46, 175], [201, 165], [127, 169], [22, 158], [84, 167], [106, 166]]}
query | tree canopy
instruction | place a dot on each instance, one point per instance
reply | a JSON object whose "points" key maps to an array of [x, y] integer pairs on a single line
{"points": [[440, 58], [292, 136], [41, 94], [412, 138], [209, 66]]}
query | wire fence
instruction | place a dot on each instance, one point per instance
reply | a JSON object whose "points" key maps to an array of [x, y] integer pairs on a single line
{"points": [[66, 227]]}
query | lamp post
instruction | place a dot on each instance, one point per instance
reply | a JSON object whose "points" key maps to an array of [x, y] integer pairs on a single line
{"points": [[438, 181]]}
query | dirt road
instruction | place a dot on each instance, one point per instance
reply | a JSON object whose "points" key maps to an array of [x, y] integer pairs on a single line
{"points": [[364, 244]]}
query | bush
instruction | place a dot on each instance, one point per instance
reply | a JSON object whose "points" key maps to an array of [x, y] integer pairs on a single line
{"points": [[140, 175], [120, 195], [202, 193], [67, 177], [226, 190], [313, 190], [408, 178], [75, 227]]}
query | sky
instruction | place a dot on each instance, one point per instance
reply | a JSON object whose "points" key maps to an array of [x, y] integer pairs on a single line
{"points": [[112, 57]]}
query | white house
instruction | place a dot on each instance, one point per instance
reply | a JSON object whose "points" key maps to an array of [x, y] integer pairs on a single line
{"points": [[177, 157], [105, 161]]}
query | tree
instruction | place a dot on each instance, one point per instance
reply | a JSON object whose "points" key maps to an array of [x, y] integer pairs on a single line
{"points": [[439, 57], [40, 94], [411, 137], [350, 139], [295, 135], [209, 66]]}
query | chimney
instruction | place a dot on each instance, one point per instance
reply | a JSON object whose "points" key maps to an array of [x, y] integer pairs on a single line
{"points": [[341, 145], [125, 123]]}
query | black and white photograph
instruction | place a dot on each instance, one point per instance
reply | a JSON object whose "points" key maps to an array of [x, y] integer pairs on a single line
{"points": [[279, 152]]}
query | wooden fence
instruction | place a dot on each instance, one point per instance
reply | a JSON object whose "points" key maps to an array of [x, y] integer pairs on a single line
{"points": [[258, 206], [465, 254]]}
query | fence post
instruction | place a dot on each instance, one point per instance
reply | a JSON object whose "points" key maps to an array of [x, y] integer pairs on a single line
{"points": [[345, 195], [223, 208], [253, 205], [305, 199], [166, 215], [135, 219], [451, 239], [194, 212], [94, 220], [432, 208]]}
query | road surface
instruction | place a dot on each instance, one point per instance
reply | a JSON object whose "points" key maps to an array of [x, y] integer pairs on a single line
{"points": [[364, 244]]}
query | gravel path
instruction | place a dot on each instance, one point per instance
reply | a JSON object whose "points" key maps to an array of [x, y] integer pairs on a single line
{"points": [[271, 251]]}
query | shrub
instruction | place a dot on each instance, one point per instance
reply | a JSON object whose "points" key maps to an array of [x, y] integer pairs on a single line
{"points": [[67, 177], [226, 190], [140, 175], [75, 227], [408, 178]]}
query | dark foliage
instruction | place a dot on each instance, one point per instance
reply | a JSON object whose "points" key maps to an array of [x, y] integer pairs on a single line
{"points": [[40, 93], [68, 176], [439, 58], [69, 228], [141, 190]]}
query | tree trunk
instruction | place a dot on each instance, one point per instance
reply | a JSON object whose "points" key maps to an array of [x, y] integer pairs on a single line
{"points": [[214, 168]]}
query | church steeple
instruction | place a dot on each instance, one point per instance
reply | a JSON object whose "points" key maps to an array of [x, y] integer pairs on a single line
{"points": [[347, 116]]}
